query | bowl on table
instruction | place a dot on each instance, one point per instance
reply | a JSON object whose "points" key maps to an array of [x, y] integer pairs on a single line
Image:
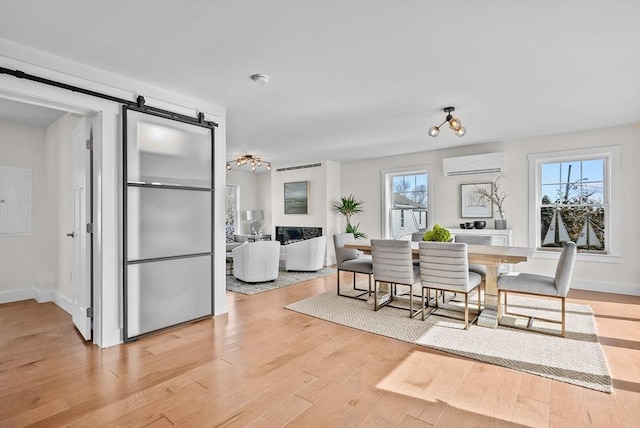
{"points": [[480, 224], [468, 225]]}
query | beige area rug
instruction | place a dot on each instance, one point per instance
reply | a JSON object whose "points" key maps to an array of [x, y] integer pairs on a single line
{"points": [[576, 359], [284, 280]]}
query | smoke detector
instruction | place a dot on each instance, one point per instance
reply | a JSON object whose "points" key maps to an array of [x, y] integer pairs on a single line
{"points": [[261, 79]]}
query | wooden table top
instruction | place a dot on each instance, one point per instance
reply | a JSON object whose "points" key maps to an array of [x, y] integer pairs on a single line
{"points": [[476, 252]]}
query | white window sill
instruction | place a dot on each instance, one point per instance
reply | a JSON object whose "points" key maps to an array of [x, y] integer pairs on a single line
{"points": [[581, 257]]}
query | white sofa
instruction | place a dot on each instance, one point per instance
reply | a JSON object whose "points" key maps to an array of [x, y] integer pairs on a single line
{"points": [[256, 261], [307, 255]]}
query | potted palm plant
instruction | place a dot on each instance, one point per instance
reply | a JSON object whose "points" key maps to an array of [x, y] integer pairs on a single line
{"points": [[348, 206]]}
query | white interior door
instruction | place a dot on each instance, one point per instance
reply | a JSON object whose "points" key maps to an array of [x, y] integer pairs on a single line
{"points": [[81, 191]]}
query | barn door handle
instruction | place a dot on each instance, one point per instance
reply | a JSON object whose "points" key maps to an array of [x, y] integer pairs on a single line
{"points": [[71, 234]]}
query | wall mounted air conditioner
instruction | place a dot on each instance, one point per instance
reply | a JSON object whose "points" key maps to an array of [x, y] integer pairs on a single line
{"points": [[475, 164]]}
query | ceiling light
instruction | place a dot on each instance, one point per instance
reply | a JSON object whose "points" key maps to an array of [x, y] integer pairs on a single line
{"points": [[454, 123], [261, 79], [254, 162]]}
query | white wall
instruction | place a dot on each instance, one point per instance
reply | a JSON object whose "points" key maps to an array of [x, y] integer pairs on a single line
{"points": [[25, 261], [622, 277], [323, 191], [336, 223]]}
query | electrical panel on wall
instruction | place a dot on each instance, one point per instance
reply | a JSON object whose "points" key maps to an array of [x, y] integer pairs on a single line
{"points": [[15, 201]]}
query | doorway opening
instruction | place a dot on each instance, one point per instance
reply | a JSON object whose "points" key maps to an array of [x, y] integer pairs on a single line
{"points": [[53, 262]]}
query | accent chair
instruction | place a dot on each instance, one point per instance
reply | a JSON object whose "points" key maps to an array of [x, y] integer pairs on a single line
{"points": [[256, 261], [307, 255]]}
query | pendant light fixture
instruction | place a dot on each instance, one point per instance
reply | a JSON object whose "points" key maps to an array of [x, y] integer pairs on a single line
{"points": [[252, 161], [454, 123]]}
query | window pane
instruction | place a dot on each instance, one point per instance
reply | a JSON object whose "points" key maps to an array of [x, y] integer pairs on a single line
{"points": [[593, 170], [594, 192], [398, 184], [550, 173], [550, 194], [583, 225], [402, 222], [570, 172]]}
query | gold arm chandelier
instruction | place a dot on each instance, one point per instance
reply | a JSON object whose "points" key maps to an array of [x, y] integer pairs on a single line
{"points": [[254, 162], [454, 123]]}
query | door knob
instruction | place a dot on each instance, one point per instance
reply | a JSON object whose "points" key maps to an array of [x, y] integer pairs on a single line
{"points": [[71, 234]]}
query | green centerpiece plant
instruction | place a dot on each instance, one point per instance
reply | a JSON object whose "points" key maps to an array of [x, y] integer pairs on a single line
{"points": [[438, 233], [348, 206]]}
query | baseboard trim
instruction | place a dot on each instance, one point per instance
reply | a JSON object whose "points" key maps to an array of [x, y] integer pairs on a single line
{"points": [[40, 296], [17, 295], [607, 287]]}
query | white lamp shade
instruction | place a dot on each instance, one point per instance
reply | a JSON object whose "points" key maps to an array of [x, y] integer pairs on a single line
{"points": [[253, 215]]}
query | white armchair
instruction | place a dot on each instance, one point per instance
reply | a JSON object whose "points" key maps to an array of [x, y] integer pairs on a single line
{"points": [[307, 255], [257, 261]]}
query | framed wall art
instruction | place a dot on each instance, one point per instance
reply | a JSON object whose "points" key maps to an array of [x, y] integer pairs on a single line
{"points": [[296, 197], [474, 205]]}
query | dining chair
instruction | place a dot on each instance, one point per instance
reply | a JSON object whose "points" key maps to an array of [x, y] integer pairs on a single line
{"points": [[444, 266], [476, 240], [540, 285], [351, 260], [393, 263]]}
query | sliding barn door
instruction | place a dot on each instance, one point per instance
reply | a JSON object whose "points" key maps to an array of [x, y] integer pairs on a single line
{"points": [[168, 213]]}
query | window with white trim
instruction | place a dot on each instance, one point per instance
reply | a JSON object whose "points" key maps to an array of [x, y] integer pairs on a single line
{"points": [[406, 196], [575, 199]]}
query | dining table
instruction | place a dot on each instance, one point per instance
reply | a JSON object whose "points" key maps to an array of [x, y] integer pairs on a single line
{"points": [[491, 256]]}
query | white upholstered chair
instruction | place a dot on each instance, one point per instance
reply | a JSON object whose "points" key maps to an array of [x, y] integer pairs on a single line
{"points": [[540, 285], [351, 260], [393, 263], [475, 240], [307, 255], [444, 266], [257, 261]]}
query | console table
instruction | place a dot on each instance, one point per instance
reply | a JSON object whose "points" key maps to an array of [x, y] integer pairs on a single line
{"points": [[502, 237], [252, 238]]}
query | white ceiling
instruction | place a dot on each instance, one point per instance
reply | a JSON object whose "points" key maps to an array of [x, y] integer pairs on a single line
{"points": [[361, 79]]}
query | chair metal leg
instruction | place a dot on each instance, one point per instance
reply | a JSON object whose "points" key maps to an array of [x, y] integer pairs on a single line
{"points": [[466, 311], [358, 296], [531, 319], [563, 316]]}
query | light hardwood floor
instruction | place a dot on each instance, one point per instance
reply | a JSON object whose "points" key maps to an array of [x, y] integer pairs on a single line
{"points": [[264, 366]]}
